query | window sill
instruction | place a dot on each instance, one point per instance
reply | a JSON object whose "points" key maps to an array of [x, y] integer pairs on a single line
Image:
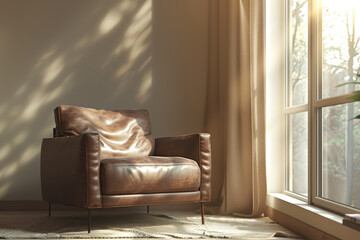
{"points": [[316, 217]]}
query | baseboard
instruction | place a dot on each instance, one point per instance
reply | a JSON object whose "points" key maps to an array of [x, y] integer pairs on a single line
{"points": [[301, 228], [38, 205]]}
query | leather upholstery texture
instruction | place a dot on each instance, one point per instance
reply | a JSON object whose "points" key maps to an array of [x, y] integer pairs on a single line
{"points": [[101, 158], [194, 146], [149, 199], [132, 175], [70, 170], [122, 133]]}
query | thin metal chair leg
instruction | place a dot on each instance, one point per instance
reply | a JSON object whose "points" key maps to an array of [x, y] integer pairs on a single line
{"points": [[148, 209], [202, 213], [89, 220], [49, 209]]}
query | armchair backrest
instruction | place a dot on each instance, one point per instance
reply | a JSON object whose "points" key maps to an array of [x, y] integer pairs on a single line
{"points": [[121, 133]]}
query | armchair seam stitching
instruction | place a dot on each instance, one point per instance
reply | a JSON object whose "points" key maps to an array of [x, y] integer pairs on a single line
{"points": [[87, 170], [200, 164], [149, 164], [60, 123]]}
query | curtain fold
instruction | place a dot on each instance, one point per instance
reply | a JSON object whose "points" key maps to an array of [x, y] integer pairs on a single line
{"points": [[235, 110]]}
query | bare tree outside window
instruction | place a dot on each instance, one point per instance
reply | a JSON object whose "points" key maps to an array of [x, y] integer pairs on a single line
{"points": [[340, 135], [297, 85], [298, 57]]}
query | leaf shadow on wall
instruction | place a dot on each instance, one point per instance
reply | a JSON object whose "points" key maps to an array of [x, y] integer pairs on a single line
{"points": [[64, 52]]}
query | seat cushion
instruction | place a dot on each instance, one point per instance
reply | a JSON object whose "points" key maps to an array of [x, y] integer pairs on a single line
{"points": [[148, 174]]}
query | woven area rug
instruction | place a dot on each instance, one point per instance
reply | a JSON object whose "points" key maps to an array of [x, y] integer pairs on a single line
{"points": [[30, 225]]}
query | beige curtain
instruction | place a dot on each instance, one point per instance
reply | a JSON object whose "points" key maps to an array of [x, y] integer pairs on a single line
{"points": [[235, 114]]}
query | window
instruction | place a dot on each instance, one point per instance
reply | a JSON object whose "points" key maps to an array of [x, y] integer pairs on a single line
{"points": [[322, 139], [296, 110]]}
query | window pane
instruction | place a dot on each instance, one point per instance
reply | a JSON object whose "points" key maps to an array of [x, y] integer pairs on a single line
{"points": [[340, 48], [298, 48], [298, 153], [341, 154]]}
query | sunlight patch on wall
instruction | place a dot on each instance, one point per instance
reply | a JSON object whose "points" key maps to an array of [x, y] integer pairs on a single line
{"points": [[125, 45], [59, 90], [122, 70], [135, 43], [136, 38], [109, 22], [114, 17], [140, 45], [141, 20], [29, 153], [4, 151], [82, 43], [32, 106], [2, 126], [40, 98], [8, 170], [22, 89], [46, 131], [53, 70], [3, 189], [19, 138], [45, 57], [145, 87]]}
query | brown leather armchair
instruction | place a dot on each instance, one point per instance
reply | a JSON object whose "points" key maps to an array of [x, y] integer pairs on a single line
{"points": [[106, 159]]}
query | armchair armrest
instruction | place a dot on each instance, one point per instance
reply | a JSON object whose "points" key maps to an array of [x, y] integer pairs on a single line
{"points": [[194, 146], [70, 170]]}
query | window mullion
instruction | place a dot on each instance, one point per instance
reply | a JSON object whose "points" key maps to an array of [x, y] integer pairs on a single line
{"points": [[296, 109], [314, 77]]}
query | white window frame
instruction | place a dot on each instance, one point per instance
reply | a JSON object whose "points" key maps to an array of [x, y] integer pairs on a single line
{"points": [[313, 107], [288, 110]]}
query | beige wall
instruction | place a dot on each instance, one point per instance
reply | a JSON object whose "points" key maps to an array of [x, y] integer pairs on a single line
{"points": [[106, 54]]}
